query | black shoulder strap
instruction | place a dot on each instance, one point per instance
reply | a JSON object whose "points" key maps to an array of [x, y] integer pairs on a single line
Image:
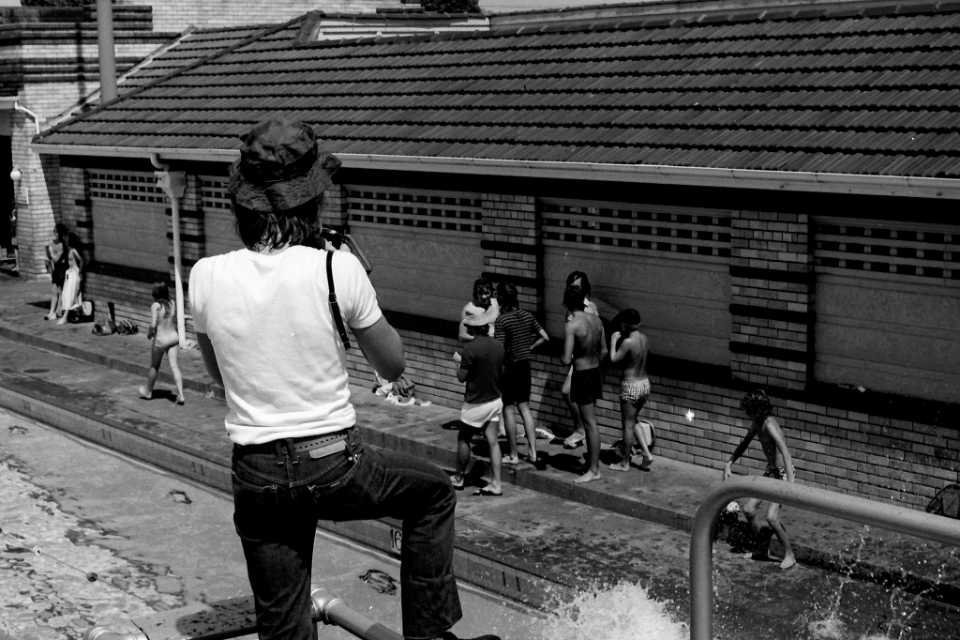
{"points": [[334, 307]]}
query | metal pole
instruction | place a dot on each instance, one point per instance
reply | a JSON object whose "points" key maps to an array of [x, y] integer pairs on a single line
{"points": [[853, 508], [108, 64], [332, 610]]}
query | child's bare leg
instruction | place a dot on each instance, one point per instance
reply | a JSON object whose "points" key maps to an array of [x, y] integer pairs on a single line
{"points": [[644, 438], [464, 435], [628, 419], [529, 428], [173, 353], [773, 519], [578, 434], [492, 431], [156, 357], [750, 511], [509, 417], [589, 416]]}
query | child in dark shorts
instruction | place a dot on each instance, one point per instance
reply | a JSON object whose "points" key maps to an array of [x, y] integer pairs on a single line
{"points": [[481, 365], [520, 334]]}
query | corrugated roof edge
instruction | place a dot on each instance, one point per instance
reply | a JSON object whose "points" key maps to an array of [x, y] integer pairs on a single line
{"points": [[825, 182], [213, 56]]}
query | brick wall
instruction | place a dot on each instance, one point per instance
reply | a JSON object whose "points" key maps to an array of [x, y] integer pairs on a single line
{"points": [[697, 417], [772, 293]]}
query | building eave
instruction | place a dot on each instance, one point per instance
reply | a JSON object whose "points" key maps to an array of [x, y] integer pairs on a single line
{"points": [[836, 183]]}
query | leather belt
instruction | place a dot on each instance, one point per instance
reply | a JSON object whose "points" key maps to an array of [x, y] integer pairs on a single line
{"points": [[323, 446]]}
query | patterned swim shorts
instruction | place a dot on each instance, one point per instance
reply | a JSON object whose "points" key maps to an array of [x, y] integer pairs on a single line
{"points": [[635, 392], [777, 473]]}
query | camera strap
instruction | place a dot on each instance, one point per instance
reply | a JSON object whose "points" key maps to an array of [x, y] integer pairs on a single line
{"points": [[334, 307]]}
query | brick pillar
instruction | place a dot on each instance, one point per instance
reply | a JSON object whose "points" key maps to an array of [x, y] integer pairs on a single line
{"points": [[512, 251], [772, 295], [333, 212], [75, 209]]}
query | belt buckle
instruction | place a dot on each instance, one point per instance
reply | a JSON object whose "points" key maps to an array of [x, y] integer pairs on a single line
{"points": [[326, 450]]}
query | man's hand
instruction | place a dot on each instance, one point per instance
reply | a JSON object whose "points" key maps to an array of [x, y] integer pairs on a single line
{"points": [[726, 471], [456, 357], [402, 386]]}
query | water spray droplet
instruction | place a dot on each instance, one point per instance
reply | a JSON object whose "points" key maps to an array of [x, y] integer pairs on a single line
{"points": [[92, 576], [689, 415]]}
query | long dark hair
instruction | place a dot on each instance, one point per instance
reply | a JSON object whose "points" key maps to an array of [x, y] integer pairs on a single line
{"points": [[584, 282], [161, 294], [272, 230], [507, 296]]}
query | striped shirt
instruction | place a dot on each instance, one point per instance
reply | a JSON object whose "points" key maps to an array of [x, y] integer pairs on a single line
{"points": [[517, 330]]}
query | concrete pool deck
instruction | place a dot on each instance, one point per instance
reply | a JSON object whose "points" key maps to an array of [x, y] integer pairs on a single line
{"points": [[544, 541]]}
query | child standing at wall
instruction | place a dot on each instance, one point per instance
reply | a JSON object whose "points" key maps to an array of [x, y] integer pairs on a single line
{"points": [[520, 334], [481, 365], [628, 350], [163, 332], [765, 428]]}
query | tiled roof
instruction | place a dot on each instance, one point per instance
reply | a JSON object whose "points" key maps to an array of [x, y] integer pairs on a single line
{"points": [[871, 91]]}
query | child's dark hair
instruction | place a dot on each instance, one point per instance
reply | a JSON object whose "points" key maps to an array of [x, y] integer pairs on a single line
{"points": [[161, 291], [584, 281], [507, 296], [573, 299], [482, 283], [756, 404], [627, 318]]}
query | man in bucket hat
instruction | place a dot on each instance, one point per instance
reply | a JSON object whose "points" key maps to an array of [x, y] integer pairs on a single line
{"points": [[267, 332]]}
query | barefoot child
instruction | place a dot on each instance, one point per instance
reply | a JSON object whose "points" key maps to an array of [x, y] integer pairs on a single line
{"points": [[520, 334], [584, 347], [163, 331], [628, 349], [481, 364], [756, 404]]}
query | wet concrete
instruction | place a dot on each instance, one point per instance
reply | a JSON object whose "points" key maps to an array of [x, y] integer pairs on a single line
{"points": [[625, 528], [156, 544]]}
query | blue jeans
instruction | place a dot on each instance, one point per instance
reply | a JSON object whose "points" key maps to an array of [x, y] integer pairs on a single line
{"points": [[279, 496]]}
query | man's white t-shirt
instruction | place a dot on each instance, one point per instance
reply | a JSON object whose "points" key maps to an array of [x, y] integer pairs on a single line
{"points": [[268, 318]]}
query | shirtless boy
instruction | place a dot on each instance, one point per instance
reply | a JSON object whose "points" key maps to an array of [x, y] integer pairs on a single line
{"points": [[764, 427], [585, 347], [628, 349]]}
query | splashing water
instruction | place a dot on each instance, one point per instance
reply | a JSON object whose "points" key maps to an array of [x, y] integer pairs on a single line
{"points": [[830, 627], [623, 612]]}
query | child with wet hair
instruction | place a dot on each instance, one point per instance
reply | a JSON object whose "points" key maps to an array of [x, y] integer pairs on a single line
{"points": [[766, 429]]}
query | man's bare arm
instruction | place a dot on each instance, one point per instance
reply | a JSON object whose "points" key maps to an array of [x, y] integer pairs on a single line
{"points": [[209, 358], [382, 347]]}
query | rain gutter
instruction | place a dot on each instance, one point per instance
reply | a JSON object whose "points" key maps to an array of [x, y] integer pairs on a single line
{"points": [[902, 186]]}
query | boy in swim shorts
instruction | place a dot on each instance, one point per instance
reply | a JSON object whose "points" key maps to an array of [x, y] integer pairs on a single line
{"points": [[628, 350], [765, 428], [481, 365]]}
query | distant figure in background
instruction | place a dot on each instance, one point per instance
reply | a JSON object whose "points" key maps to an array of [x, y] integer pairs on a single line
{"points": [[481, 366], [56, 263], [628, 350], [166, 339], [70, 298], [520, 334], [584, 347], [483, 300], [764, 427]]}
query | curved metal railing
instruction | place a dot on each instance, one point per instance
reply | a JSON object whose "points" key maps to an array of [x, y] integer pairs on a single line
{"points": [[327, 609], [856, 509]]}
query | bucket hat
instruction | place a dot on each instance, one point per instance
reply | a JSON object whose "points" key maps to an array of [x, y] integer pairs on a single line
{"points": [[281, 167]]}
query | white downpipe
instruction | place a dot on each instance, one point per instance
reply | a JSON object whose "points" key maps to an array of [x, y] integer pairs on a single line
{"points": [[173, 184], [36, 118]]}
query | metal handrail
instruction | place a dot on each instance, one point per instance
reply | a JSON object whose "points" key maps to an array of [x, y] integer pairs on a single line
{"points": [[326, 608], [847, 507]]}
